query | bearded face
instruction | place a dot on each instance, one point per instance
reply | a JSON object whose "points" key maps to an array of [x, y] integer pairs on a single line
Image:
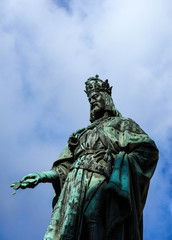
{"points": [[97, 105]]}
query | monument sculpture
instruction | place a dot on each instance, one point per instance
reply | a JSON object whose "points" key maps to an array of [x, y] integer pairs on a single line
{"points": [[102, 176]]}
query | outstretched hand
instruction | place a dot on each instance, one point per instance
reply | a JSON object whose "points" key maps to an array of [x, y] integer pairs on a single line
{"points": [[28, 181]]}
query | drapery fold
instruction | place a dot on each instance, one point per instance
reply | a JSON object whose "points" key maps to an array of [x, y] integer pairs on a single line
{"points": [[134, 158]]}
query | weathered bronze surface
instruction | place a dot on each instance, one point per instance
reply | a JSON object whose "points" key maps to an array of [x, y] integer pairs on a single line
{"points": [[102, 176]]}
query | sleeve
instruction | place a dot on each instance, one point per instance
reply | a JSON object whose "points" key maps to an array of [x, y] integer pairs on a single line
{"points": [[62, 167], [130, 178], [66, 158], [142, 164]]}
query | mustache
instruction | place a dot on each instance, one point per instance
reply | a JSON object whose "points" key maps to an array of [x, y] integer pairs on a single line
{"points": [[95, 104]]}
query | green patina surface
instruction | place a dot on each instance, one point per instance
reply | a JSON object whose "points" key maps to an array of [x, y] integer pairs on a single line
{"points": [[102, 176]]}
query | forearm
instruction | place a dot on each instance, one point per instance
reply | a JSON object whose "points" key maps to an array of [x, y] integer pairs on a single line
{"points": [[48, 176], [55, 173]]}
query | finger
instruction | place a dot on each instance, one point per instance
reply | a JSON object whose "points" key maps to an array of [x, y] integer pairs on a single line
{"points": [[24, 185], [26, 177], [13, 184], [30, 184], [16, 185], [27, 181], [36, 182]]}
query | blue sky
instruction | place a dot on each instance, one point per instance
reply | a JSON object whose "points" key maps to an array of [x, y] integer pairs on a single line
{"points": [[48, 50]]}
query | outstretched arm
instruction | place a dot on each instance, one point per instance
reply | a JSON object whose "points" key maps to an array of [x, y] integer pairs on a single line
{"points": [[32, 180], [57, 174]]}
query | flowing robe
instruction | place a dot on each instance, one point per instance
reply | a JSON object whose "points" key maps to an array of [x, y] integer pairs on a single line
{"points": [[114, 152]]}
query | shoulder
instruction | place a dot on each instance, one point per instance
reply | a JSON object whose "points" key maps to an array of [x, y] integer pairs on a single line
{"points": [[78, 132], [66, 153], [123, 124]]}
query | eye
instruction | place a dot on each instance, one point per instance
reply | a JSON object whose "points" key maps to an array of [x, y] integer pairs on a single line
{"points": [[94, 97]]}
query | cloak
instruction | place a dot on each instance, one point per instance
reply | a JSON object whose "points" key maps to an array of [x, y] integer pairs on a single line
{"points": [[133, 156]]}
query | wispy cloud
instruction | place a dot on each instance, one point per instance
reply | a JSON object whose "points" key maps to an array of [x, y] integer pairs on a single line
{"points": [[48, 49]]}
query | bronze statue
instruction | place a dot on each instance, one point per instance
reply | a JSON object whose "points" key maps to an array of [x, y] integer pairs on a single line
{"points": [[101, 178]]}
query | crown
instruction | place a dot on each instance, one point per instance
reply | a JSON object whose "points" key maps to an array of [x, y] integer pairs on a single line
{"points": [[95, 84]]}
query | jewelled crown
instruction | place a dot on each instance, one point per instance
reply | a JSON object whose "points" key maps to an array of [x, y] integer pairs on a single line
{"points": [[95, 84]]}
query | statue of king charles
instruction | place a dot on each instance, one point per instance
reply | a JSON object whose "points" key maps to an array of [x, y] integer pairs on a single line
{"points": [[102, 176]]}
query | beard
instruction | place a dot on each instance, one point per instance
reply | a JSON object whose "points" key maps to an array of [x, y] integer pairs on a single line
{"points": [[96, 113]]}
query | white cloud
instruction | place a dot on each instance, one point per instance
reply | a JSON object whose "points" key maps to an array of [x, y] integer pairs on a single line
{"points": [[47, 53]]}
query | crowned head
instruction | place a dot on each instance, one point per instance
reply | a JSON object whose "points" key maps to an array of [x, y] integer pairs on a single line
{"points": [[95, 84], [99, 96]]}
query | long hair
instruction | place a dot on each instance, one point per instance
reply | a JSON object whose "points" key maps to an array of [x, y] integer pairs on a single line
{"points": [[109, 107]]}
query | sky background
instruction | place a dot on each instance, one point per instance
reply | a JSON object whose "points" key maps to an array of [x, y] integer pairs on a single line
{"points": [[48, 49]]}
